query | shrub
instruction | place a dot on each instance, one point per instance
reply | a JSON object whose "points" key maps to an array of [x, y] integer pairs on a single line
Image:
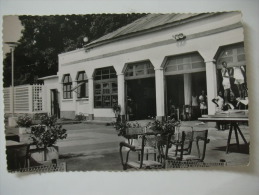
{"points": [[24, 121], [44, 137], [80, 117], [48, 120]]}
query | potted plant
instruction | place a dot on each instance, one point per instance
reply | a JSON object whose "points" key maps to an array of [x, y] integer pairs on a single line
{"points": [[128, 130], [116, 109], [163, 127], [24, 123], [44, 137]]}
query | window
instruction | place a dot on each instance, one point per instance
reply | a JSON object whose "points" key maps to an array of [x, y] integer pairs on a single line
{"points": [[184, 63], [234, 56], [139, 70], [105, 88], [67, 86], [82, 85]]}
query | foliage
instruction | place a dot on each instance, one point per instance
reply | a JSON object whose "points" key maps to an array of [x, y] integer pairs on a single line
{"points": [[44, 137], [80, 117], [48, 132], [44, 37], [116, 108], [37, 116], [121, 127], [24, 121], [164, 126], [48, 121]]}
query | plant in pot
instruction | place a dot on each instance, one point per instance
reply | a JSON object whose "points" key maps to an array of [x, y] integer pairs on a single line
{"points": [[44, 137], [128, 130], [24, 123], [163, 127], [116, 109]]}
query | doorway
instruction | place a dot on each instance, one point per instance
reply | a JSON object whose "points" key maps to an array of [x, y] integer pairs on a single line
{"points": [[141, 98], [179, 94], [175, 90], [55, 110]]}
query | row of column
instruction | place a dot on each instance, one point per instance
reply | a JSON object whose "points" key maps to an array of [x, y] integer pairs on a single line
{"points": [[159, 83]]}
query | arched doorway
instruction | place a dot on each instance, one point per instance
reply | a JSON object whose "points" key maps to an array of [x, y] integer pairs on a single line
{"points": [[234, 56], [185, 76], [140, 91]]}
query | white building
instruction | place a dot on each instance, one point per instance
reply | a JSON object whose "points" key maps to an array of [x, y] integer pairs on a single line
{"points": [[157, 59]]}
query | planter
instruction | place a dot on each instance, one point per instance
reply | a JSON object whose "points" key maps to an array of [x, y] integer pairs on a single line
{"points": [[24, 130], [42, 155]]}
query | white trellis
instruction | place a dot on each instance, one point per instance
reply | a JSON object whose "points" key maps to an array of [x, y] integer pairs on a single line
{"points": [[37, 97], [27, 99]]}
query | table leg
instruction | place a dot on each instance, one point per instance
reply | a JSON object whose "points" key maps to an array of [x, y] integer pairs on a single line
{"points": [[240, 132], [229, 137], [237, 140]]}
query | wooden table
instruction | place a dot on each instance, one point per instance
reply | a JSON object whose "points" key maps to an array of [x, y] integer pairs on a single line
{"points": [[16, 154], [233, 120]]}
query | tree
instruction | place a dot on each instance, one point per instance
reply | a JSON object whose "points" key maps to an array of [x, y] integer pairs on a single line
{"points": [[44, 37]]}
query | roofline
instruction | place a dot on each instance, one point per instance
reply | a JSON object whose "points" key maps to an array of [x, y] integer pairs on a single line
{"points": [[154, 29], [48, 77]]}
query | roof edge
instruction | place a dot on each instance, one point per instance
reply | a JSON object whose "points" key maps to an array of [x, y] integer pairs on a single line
{"points": [[154, 29]]}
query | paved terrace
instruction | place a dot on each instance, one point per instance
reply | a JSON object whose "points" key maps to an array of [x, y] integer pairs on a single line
{"points": [[91, 147]]}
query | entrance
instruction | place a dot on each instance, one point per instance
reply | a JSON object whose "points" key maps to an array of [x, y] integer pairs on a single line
{"points": [[141, 98], [55, 103], [179, 92]]}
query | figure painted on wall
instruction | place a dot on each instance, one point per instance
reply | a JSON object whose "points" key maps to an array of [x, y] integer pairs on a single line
{"points": [[238, 74], [203, 103], [226, 81]]}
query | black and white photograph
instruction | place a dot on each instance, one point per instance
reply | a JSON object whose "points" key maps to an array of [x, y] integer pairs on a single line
{"points": [[129, 97], [131, 91]]}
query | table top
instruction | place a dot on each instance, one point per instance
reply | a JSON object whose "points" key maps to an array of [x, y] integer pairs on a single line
{"points": [[11, 143], [215, 118]]}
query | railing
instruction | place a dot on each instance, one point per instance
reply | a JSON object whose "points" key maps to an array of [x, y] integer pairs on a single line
{"points": [[27, 99]]}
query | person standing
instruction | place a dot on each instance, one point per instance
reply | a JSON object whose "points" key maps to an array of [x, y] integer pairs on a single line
{"points": [[203, 103], [194, 105]]}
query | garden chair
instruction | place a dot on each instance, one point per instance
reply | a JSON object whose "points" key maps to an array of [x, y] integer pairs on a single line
{"points": [[149, 142], [184, 151]]}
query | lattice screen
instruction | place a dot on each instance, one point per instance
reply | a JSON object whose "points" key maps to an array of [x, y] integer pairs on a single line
{"points": [[7, 104], [37, 97], [21, 98]]}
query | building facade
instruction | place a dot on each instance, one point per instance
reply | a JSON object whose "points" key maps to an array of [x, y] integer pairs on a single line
{"points": [[156, 61]]}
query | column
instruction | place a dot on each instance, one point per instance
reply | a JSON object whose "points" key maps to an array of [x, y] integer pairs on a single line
{"points": [[211, 78], [160, 95], [187, 88], [121, 94], [91, 98]]}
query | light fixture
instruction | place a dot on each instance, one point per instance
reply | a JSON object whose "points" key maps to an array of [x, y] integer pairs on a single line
{"points": [[179, 37]]}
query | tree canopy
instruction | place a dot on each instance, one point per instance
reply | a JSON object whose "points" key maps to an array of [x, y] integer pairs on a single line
{"points": [[44, 37]]}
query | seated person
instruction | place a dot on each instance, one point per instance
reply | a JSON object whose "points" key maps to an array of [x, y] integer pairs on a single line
{"points": [[219, 101]]}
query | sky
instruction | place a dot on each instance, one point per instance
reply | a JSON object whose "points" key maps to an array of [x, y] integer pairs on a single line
{"points": [[11, 31]]}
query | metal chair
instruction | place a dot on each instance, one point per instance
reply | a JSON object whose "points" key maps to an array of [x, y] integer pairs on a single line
{"points": [[156, 142], [184, 151]]}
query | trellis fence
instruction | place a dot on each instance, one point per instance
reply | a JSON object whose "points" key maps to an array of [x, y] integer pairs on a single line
{"points": [[27, 99]]}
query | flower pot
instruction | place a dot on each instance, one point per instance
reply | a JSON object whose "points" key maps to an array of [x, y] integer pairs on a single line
{"points": [[24, 130], [41, 155]]}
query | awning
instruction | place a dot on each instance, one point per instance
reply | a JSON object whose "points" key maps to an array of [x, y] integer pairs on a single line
{"points": [[81, 83]]}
